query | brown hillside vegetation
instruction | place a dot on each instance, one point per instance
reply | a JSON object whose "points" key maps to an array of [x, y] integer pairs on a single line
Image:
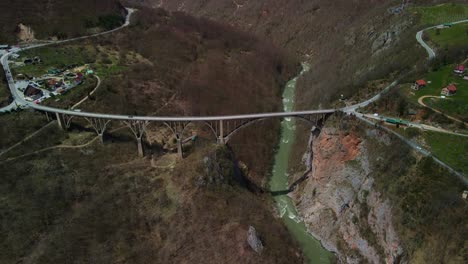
{"points": [[347, 42], [101, 204], [191, 66], [63, 19]]}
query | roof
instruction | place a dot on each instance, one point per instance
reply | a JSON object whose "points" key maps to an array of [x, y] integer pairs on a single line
{"points": [[421, 82], [452, 88], [460, 67], [30, 90]]}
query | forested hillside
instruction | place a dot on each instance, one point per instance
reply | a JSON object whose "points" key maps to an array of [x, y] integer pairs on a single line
{"points": [[66, 198], [57, 18]]}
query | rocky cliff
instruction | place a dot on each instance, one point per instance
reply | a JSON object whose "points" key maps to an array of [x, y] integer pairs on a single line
{"points": [[340, 205], [369, 198]]}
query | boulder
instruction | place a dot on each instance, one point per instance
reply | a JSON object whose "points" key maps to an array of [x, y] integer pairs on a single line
{"points": [[254, 241]]}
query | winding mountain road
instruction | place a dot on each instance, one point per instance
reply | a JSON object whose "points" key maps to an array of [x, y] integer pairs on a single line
{"points": [[431, 53], [21, 102]]}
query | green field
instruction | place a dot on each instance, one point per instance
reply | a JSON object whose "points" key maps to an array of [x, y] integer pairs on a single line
{"points": [[456, 105], [433, 15], [450, 149], [457, 36], [99, 60]]}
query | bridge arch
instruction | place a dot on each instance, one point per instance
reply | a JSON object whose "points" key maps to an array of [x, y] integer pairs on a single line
{"points": [[254, 121]]}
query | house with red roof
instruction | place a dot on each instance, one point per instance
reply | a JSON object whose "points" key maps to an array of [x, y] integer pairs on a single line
{"points": [[459, 69], [418, 84], [449, 90]]}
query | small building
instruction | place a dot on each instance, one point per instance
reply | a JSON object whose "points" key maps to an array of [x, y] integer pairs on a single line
{"points": [[465, 78], [459, 69], [465, 195], [53, 71], [78, 80], [4, 47], [31, 93], [418, 84], [449, 90], [51, 83]]}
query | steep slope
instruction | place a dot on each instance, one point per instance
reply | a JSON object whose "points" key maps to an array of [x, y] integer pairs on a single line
{"points": [[80, 201], [196, 67], [370, 198], [344, 40], [55, 18], [347, 42]]}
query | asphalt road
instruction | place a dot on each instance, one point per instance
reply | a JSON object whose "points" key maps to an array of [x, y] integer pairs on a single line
{"points": [[19, 99], [431, 53]]}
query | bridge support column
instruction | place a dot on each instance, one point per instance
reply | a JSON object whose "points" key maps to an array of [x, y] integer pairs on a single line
{"points": [[64, 121], [99, 126], [59, 121], [178, 129], [140, 147], [138, 128], [180, 152], [221, 133]]}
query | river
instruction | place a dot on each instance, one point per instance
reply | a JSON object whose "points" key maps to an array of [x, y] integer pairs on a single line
{"points": [[311, 247]]}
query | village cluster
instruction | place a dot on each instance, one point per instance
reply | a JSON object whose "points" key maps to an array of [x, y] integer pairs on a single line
{"points": [[450, 89], [54, 82]]}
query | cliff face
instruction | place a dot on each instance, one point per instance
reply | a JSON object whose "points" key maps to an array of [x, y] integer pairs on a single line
{"points": [[340, 205], [370, 198]]}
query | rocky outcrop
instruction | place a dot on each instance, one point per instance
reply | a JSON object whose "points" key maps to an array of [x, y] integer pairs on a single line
{"points": [[388, 37], [25, 33], [254, 241], [339, 204]]}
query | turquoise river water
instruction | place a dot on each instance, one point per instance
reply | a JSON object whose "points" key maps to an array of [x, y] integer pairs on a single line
{"points": [[311, 247]]}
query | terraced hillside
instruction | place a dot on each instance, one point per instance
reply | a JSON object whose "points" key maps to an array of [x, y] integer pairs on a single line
{"points": [[62, 19]]}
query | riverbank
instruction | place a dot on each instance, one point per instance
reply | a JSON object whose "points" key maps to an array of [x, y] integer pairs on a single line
{"points": [[278, 184]]}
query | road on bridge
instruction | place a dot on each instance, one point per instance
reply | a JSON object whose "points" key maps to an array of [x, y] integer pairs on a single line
{"points": [[21, 102]]}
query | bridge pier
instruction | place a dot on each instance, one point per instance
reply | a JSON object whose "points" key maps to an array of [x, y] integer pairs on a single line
{"points": [[64, 121], [178, 129], [99, 126], [138, 128], [180, 152], [221, 139], [59, 121]]}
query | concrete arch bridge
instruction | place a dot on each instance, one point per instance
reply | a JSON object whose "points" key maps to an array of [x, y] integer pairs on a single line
{"points": [[223, 128]]}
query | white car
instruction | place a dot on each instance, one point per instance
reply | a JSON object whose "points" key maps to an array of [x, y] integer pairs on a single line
{"points": [[376, 115]]}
